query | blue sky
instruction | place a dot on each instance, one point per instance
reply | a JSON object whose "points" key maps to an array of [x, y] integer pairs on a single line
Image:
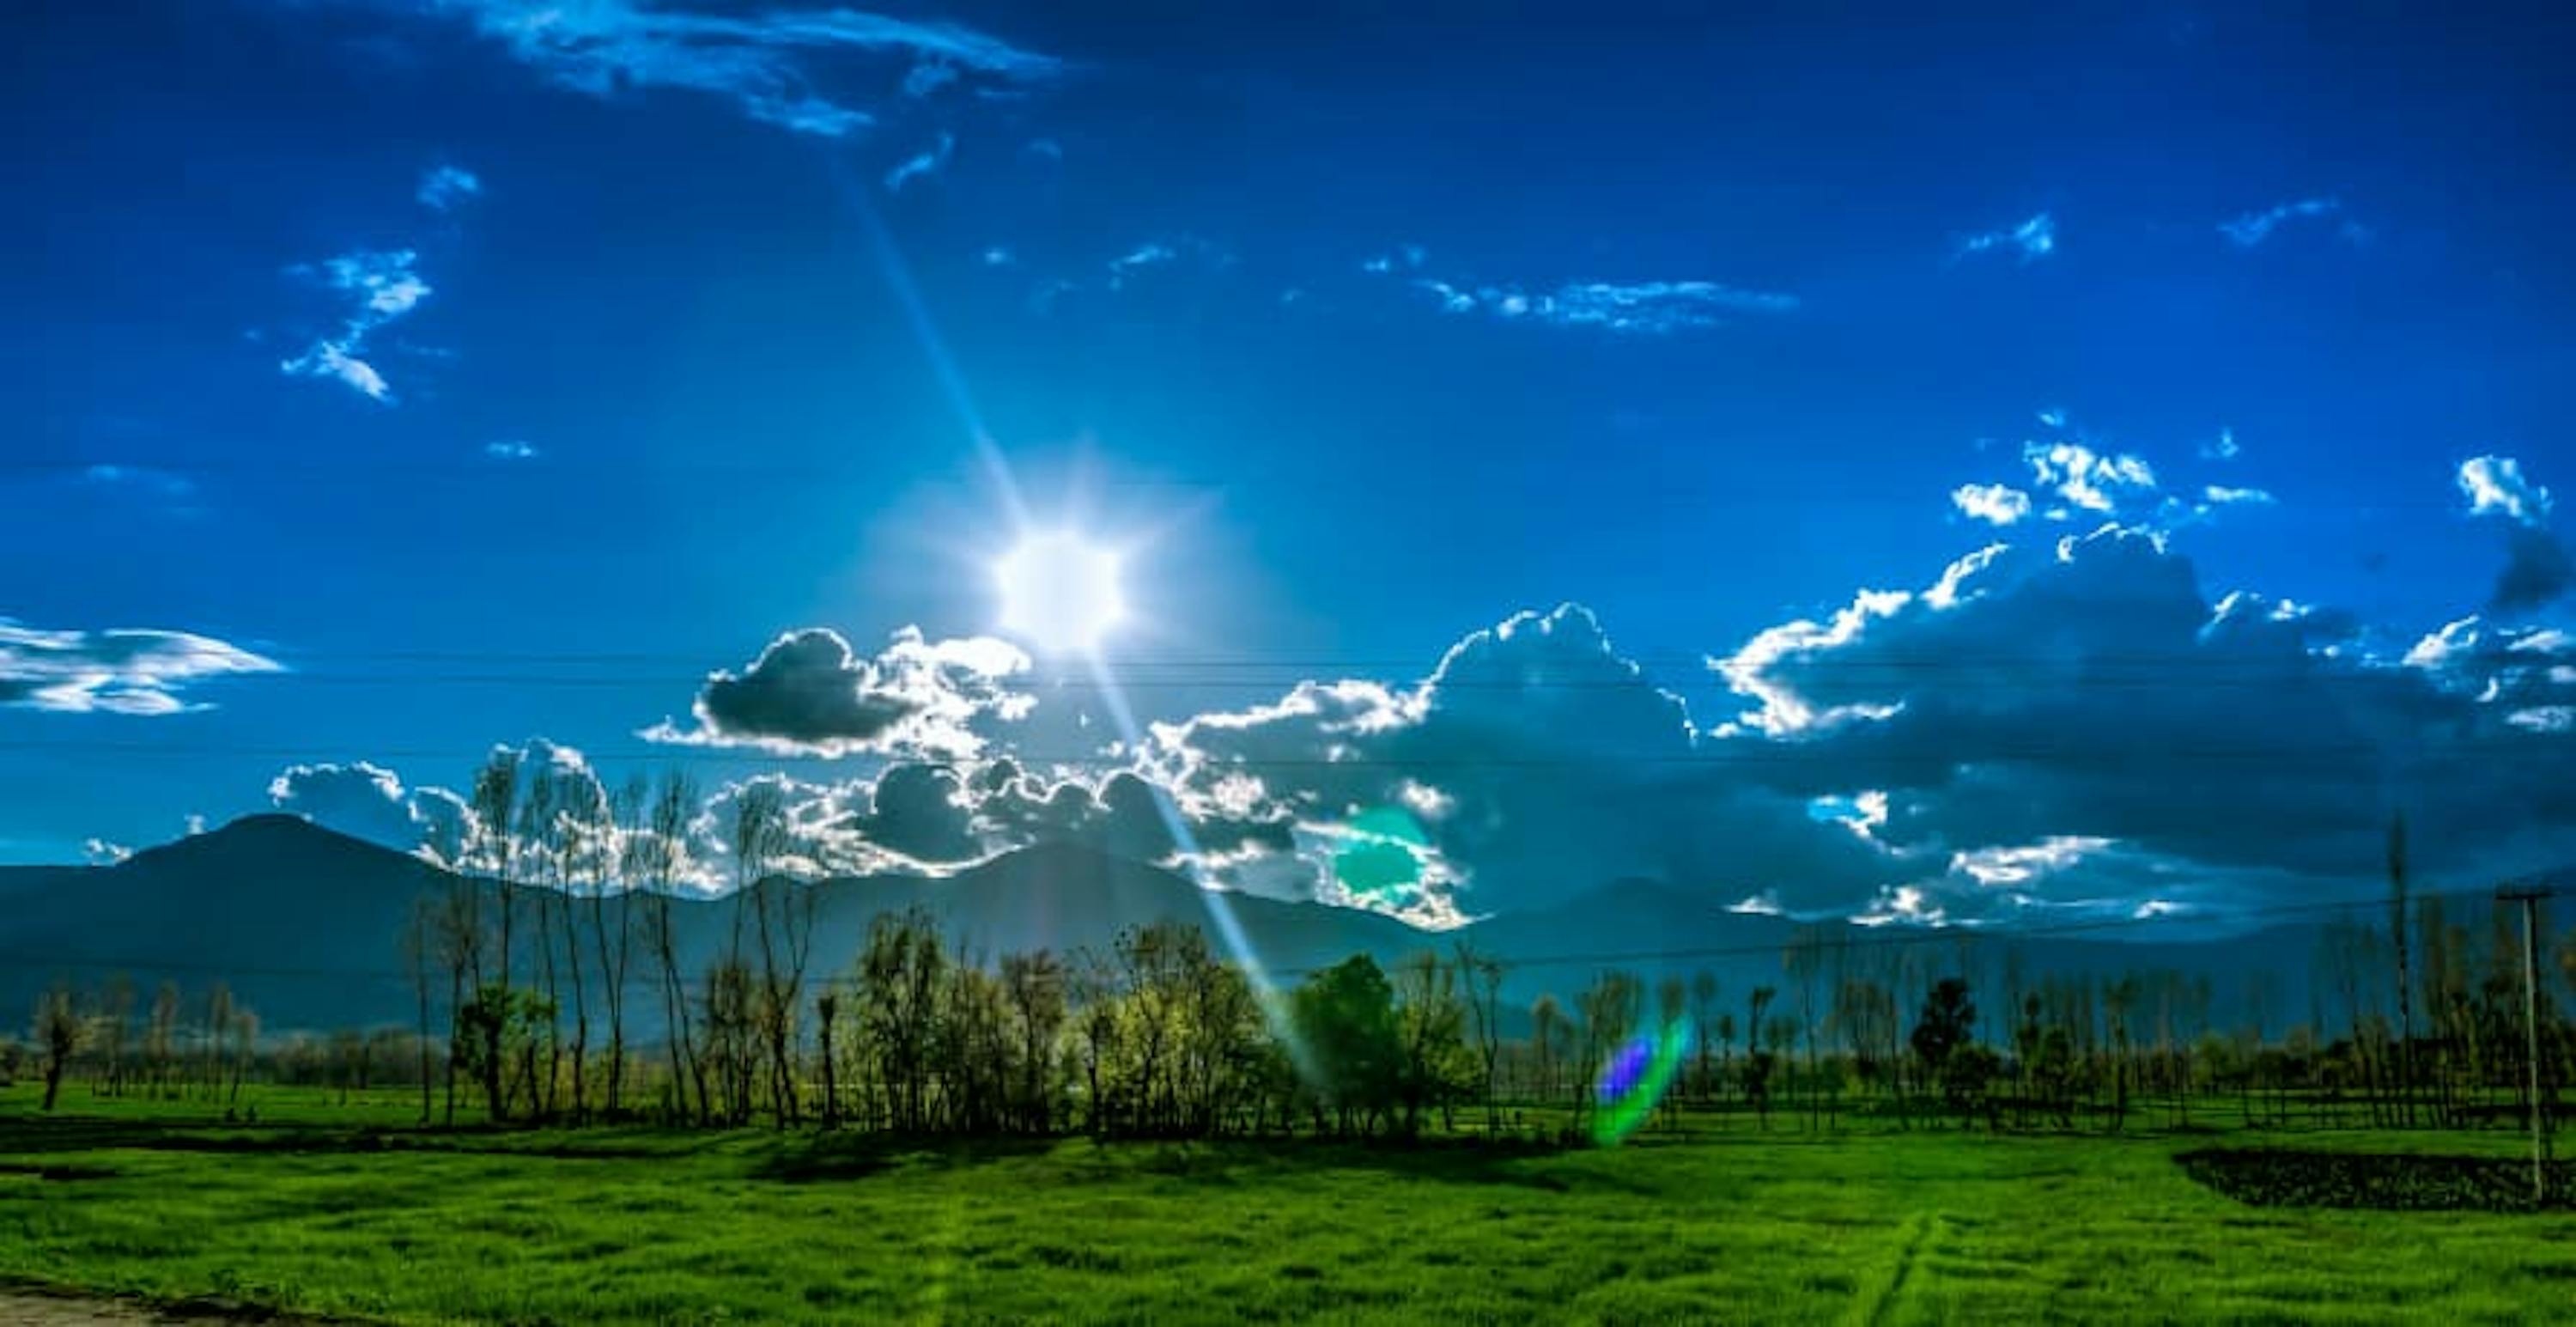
{"points": [[406, 378]]}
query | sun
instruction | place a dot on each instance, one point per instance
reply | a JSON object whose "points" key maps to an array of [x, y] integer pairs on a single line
{"points": [[1060, 591]]}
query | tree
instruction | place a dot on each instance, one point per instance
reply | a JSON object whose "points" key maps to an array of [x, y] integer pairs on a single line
{"points": [[1431, 1021], [1757, 1062], [1547, 1037], [418, 943], [827, 1009], [2397, 936], [1804, 960], [1707, 1021], [675, 800], [1482, 978], [902, 972], [1034, 986], [1942, 1030], [59, 1033], [634, 856], [495, 802], [1345, 1017]]}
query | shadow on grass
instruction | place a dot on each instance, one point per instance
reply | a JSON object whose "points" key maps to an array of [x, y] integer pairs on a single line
{"points": [[1217, 1163], [811, 1158], [76, 1134]]}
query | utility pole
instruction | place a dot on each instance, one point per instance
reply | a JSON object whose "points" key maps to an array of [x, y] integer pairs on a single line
{"points": [[2529, 896]]}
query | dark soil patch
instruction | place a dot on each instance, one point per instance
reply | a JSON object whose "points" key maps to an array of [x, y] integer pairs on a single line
{"points": [[2279, 1177]]}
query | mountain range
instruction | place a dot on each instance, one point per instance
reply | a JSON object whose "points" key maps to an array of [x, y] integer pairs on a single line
{"points": [[306, 926]]}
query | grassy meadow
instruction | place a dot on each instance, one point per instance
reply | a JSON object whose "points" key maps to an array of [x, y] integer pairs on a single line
{"points": [[312, 1213]]}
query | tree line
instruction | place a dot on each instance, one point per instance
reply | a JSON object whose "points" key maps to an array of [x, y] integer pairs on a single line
{"points": [[522, 1016]]}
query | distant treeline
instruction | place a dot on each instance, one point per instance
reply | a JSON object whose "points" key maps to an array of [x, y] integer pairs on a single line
{"points": [[523, 1016]]}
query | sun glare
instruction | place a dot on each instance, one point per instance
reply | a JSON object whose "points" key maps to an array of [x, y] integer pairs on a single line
{"points": [[1060, 591]]}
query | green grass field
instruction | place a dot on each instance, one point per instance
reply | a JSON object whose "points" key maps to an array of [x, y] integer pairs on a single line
{"points": [[310, 1214]]}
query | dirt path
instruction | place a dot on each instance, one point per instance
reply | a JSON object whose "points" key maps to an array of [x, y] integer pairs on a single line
{"points": [[23, 1309]]}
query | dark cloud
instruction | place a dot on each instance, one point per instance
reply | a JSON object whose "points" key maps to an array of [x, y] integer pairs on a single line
{"points": [[2091, 692], [809, 693], [1539, 764], [2537, 571]]}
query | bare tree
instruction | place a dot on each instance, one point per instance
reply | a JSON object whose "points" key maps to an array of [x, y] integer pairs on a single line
{"points": [[675, 801], [1547, 1039], [1481, 977], [161, 1039], [634, 858], [2405, 981]]}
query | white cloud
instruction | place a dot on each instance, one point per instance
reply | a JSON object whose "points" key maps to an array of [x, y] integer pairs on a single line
{"points": [[100, 852], [380, 286], [1995, 504], [2251, 229], [1642, 307], [920, 164], [761, 60], [113, 672], [511, 449], [367, 801], [2085, 479], [2495, 484], [1997, 866], [2034, 238], [2222, 448], [443, 187]]}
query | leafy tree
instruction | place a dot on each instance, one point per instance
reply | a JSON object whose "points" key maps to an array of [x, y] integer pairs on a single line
{"points": [[1345, 1018], [1943, 1030]]}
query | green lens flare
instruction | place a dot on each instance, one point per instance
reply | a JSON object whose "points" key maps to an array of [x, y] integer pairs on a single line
{"points": [[1629, 1094], [1380, 854]]}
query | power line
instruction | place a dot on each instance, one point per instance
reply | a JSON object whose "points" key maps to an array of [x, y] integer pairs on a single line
{"points": [[1771, 753]]}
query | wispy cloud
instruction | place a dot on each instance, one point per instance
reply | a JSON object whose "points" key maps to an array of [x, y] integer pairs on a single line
{"points": [[925, 162], [1644, 306], [2034, 239], [2251, 229], [112, 672], [2220, 495], [168, 485], [1153, 254], [1408, 257], [1995, 504], [2221, 448], [381, 286], [759, 60], [443, 187], [511, 449], [928, 77]]}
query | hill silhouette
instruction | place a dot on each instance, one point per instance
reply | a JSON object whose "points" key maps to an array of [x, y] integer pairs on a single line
{"points": [[306, 926]]}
